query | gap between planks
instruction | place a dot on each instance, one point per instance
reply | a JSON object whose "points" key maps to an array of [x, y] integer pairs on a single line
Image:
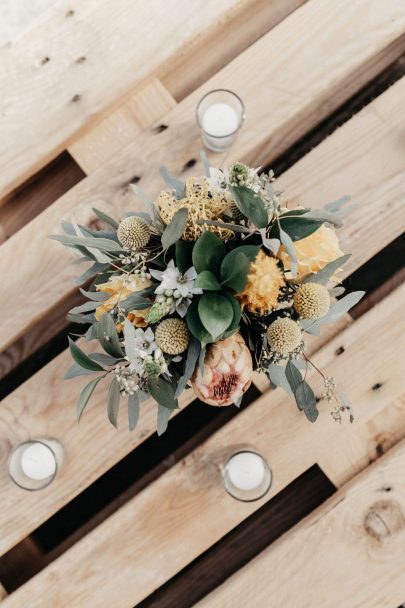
{"points": [[197, 511]]}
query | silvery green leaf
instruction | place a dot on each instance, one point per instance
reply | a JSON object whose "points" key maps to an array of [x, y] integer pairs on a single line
{"points": [[86, 394], [92, 332], [129, 340], [311, 327], [90, 272], [272, 244], [149, 206], [337, 291], [238, 402], [133, 411], [193, 353], [145, 216], [79, 318], [138, 300], [293, 376], [299, 363], [201, 360], [103, 358], [277, 376], [205, 162], [336, 206], [82, 359], [106, 218], [96, 296], [77, 370], [175, 229], [113, 402], [68, 228], [306, 400], [339, 308], [289, 245], [172, 182], [324, 216], [163, 415], [86, 307], [88, 242], [233, 227], [323, 276], [108, 336]]}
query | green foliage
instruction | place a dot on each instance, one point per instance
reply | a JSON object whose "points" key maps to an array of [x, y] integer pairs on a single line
{"points": [[251, 205], [106, 218], [208, 252], [207, 280], [86, 394], [184, 251], [113, 402], [175, 229], [162, 392], [133, 411], [216, 313], [82, 359], [108, 336], [295, 224]]}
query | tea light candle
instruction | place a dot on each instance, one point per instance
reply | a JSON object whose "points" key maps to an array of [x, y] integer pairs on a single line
{"points": [[246, 470], [220, 120], [38, 462]]}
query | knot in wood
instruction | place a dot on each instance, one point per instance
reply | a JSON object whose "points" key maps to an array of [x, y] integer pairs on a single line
{"points": [[384, 518]]}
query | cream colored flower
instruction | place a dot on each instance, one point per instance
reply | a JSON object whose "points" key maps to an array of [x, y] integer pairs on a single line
{"points": [[120, 287], [313, 252]]}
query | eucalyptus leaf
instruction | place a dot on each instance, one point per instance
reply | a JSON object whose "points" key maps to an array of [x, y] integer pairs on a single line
{"points": [[163, 415], [289, 246], [193, 353], [172, 182], [108, 336], [129, 340], [77, 370], [106, 218], [226, 226], [86, 307], [103, 359], [306, 401], [324, 216], [86, 394], [133, 411], [251, 205], [293, 376], [337, 291], [95, 243], [295, 225], [341, 307], [80, 318], [208, 252], [184, 252], [201, 360], [278, 377], [236, 313], [216, 313], [162, 392], [91, 272], [149, 206], [113, 402], [234, 271], [207, 280], [82, 359], [96, 296], [138, 300], [323, 276], [310, 326], [68, 228], [175, 229], [195, 325]]}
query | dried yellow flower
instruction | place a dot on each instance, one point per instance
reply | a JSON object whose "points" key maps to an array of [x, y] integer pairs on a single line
{"points": [[284, 336], [120, 287], [263, 286], [313, 252], [201, 204], [311, 301], [133, 233], [172, 336]]}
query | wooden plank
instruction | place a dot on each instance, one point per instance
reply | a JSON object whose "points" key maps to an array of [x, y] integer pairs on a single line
{"points": [[122, 126], [3, 592], [107, 51], [350, 552], [194, 510], [347, 50], [53, 413], [362, 446]]}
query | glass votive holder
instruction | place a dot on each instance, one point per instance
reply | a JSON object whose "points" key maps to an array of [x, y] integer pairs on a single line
{"points": [[220, 114], [33, 465], [246, 475]]}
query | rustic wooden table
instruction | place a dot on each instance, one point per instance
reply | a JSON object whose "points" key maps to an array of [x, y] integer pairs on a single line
{"points": [[97, 95]]}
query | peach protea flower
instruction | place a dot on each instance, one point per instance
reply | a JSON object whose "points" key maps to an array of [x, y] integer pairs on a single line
{"points": [[313, 252], [227, 372], [120, 287], [263, 286]]}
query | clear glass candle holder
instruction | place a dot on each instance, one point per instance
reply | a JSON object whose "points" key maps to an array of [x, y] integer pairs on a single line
{"points": [[220, 115], [247, 475], [33, 465]]}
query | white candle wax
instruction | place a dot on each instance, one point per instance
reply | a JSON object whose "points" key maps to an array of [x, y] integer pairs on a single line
{"points": [[246, 470], [38, 462], [220, 120]]}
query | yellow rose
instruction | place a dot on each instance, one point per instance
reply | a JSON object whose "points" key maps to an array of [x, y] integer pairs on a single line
{"points": [[313, 252], [120, 287]]}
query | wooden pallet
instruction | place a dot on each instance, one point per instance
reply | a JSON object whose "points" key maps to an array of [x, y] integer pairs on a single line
{"points": [[79, 122]]}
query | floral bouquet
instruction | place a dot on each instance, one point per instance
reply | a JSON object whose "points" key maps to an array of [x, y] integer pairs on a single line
{"points": [[216, 279]]}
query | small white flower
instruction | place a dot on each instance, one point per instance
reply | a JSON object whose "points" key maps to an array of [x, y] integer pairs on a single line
{"points": [[144, 342], [172, 279], [218, 180]]}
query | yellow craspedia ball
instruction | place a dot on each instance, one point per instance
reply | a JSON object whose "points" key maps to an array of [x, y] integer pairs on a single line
{"points": [[311, 301], [284, 336], [172, 336], [133, 233]]}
